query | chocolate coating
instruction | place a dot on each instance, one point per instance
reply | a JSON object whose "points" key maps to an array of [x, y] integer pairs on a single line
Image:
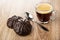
{"points": [[19, 25], [22, 28], [11, 20]]}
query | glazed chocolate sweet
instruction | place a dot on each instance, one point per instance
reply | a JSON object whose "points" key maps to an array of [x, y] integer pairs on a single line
{"points": [[11, 20], [21, 26]]}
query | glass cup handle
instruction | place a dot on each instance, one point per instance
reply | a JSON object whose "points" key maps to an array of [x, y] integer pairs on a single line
{"points": [[53, 15]]}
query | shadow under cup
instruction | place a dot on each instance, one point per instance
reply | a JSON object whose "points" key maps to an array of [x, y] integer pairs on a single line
{"points": [[44, 12]]}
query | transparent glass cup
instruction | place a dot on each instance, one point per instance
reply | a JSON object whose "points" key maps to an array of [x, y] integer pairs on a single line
{"points": [[45, 12]]}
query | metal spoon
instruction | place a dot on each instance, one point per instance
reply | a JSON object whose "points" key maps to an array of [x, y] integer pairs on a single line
{"points": [[30, 18]]}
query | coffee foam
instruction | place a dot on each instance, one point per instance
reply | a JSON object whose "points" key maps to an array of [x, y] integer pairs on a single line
{"points": [[44, 8]]}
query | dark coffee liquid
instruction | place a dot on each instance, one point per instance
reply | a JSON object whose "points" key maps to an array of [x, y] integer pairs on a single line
{"points": [[44, 17]]}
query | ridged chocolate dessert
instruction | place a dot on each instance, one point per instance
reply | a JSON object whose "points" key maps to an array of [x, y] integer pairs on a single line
{"points": [[21, 26]]}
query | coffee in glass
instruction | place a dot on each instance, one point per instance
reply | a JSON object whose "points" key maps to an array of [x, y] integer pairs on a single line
{"points": [[44, 12]]}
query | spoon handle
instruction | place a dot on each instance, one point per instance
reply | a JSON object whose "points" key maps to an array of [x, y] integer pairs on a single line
{"points": [[43, 27]]}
